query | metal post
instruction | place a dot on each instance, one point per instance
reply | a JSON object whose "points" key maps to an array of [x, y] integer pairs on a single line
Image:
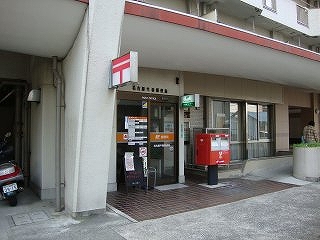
{"points": [[212, 174], [58, 79]]}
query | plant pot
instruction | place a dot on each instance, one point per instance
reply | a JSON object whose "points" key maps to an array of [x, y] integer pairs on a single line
{"points": [[306, 163]]}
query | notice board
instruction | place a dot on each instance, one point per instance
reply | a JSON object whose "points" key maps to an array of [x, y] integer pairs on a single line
{"points": [[133, 170]]}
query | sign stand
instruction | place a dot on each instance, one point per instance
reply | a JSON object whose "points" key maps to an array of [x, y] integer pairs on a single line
{"points": [[133, 171]]}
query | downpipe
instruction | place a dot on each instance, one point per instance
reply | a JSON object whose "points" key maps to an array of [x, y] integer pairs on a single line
{"points": [[58, 79]]}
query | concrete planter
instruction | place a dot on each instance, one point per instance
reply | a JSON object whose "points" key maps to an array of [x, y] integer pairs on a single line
{"points": [[306, 163]]}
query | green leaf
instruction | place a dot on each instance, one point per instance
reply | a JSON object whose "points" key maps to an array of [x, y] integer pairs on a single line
{"points": [[306, 145]]}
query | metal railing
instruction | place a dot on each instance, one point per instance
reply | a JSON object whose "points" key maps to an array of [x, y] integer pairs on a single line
{"points": [[302, 15], [270, 4], [314, 4]]}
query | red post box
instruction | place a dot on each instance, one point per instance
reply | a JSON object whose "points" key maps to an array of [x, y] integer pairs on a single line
{"points": [[212, 149]]}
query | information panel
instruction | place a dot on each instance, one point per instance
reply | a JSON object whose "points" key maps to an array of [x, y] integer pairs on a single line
{"points": [[137, 130], [133, 170]]}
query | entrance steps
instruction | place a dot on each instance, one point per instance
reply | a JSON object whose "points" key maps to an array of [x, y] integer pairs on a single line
{"points": [[233, 170], [264, 167]]}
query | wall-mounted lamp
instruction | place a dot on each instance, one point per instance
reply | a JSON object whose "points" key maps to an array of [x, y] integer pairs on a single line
{"points": [[34, 96], [317, 111]]}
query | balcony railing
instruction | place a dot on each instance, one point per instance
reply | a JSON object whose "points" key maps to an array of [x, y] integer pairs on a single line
{"points": [[270, 5], [302, 15], [308, 4]]}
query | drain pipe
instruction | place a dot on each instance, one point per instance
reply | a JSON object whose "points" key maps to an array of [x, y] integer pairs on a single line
{"points": [[58, 79]]}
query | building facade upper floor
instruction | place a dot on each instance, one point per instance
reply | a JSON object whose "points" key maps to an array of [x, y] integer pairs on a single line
{"points": [[292, 21]]}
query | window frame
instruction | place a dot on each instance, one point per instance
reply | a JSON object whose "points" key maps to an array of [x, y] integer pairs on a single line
{"points": [[273, 6]]}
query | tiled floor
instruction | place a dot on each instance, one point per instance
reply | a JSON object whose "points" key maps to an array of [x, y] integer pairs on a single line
{"points": [[155, 204]]}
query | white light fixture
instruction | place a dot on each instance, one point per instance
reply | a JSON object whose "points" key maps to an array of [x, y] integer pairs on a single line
{"points": [[34, 95]]}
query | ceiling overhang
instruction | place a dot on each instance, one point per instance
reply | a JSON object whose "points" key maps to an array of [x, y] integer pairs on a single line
{"points": [[172, 40], [43, 28]]}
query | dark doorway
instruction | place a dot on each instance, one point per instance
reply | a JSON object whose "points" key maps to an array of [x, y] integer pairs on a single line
{"points": [[146, 126]]}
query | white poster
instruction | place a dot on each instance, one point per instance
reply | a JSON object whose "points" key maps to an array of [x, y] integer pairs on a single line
{"points": [[129, 163], [142, 151]]}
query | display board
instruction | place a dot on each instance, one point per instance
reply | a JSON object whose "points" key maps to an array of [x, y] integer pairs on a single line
{"points": [[133, 170], [137, 130]]}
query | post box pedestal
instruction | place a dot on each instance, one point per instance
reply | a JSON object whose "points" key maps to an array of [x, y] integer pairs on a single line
{"points": [[212, 174]]}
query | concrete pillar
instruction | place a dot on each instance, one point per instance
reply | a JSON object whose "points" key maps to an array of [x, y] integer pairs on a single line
{"points": [[42, 132], [89, 138], [182, 161], [316, 111], [282, 127]]}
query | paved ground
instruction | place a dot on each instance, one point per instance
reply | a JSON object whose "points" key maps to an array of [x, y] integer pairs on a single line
{"points": [[193, 195], [292, 213]]}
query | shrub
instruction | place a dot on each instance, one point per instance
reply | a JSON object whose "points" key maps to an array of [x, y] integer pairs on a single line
{"points": [[307, 145]]}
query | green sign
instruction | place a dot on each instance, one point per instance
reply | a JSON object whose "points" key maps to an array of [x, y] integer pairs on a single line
{"points": [[188, 101]]}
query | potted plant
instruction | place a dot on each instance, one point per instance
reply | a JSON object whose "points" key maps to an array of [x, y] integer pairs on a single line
{"points": [[306, 161]]}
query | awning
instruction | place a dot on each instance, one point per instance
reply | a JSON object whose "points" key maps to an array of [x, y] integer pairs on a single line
{"points": [[43, 28], [172, 40]]}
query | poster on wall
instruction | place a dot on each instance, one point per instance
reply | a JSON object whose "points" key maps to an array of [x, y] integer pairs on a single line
{"points": [[128, 161], [137, 130], [143, 151], [133, 170]]}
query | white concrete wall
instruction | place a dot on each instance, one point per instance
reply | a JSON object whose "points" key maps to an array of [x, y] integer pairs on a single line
{"points": [[178, 5], [286, 14], [233, 88], [48, 129], [246, 24], [297, 97], [75, 74], [314, 19], [42, 146], [292, 97], [182, 160], [36, 148], [282, 127], [88, 162], [157, 78], [37, 71]]}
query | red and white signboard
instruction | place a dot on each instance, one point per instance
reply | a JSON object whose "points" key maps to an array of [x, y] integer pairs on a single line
{"points": [[124, 69]]}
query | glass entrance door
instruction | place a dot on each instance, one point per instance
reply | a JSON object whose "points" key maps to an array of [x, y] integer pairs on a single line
{"points": [[162, 141], [148, 127], [132, 132]]}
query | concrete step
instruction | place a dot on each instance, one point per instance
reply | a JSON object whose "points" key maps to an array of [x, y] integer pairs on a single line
{"points": [[234, 170]]}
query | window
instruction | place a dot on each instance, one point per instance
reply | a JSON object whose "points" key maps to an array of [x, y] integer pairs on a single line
{"points": [[264, 123], [270, 5], [235, 122], [237, 143], [302, 15], [220, 114], [259, 130], [250, 126], [252, 122]]}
